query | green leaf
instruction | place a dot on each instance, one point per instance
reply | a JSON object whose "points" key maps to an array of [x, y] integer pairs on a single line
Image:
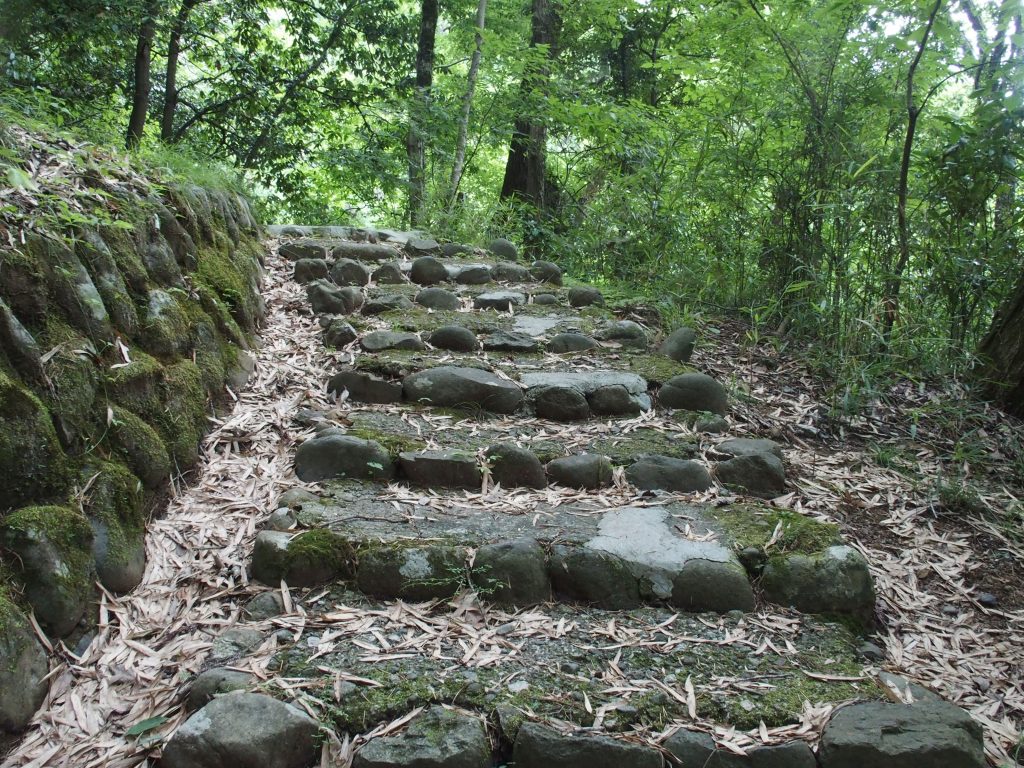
{"points": [[146, 725], [21, 180]]}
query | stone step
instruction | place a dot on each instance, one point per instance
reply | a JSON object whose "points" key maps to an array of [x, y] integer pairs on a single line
{"points": [[527, 548], [654, 456], [573, 686]]}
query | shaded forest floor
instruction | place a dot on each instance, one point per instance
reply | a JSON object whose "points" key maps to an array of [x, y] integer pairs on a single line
{"points": [[930, 485], [927, 484]]}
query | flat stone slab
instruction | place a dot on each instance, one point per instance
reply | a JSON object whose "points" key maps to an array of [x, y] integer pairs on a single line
{"points": [[437, 738], [669, 567], [587, 381], [571, 396], [461, 388], [500, 300]]}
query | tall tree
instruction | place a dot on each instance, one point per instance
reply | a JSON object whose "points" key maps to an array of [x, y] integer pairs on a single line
{"points": [[142, 82], [894, 281], [526, 165], [415, 142], [171, 75], [467, 102]]}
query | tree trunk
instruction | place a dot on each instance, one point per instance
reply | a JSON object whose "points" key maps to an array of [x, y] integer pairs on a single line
{"points": [[891, 299], [142, 83], [467, 103], [171, 78], [524, 171], [414, 143], [1002, 349]]}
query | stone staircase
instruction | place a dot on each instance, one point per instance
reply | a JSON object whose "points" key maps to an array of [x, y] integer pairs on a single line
{"points": [[527, 537]]}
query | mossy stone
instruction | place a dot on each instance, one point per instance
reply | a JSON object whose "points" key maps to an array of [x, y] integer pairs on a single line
{"points": [[23, 667], [113, 505], [53, 549], [136, 385], [74, 380], [182, 421], [141, 446], [32, 463], [165, 331]]}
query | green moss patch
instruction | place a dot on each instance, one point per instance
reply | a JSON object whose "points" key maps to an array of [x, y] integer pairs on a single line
{"points": [[140, 446], [753, 525], [34, 465]]}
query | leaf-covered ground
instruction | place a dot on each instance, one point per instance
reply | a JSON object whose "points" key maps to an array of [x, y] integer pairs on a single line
{"points": [[925, 485]]}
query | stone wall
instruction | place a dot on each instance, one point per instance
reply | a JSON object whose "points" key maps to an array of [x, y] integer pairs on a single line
{"points": [[115, 340]]}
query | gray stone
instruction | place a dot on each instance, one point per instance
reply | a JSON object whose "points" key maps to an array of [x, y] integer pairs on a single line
{"points": [[570, 342], [474, 274], [348, 272], [427, 270], [278, 555], [391, 302], [294, 498], [437, 738], [908, 689], [438, 298], [584, 470], [515, 467], [214, 682], [611, 401], [365, 387], [538, 746], [546, 272], [694, 392], [120, 568], [545, 299], [389, 274], [500, 300], [585, 296], [513, 573], [455, 249], [692, 748], [712, 425], [234, 643], [243, 730], [339, 334], [454, 338], [418, 246], [308, 270], [744, 446], [448, 386], [679, 344], [378, 341], [328, 299], [508, 272], [694, 574], [363, 252], [616, 400], [506, 249], [664, 473], [836, 580], [302, 250], [341, 456], [411, 573], [560, 403], [266, 605], [593, 577], [23, 667], [353, 295], [48, 553], [761, 474], [881, 735], [509, 341], [441, 469], [241, 370], [627, 333]]}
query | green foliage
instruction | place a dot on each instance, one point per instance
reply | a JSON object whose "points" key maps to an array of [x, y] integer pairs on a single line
{"points": [[719, 157]]}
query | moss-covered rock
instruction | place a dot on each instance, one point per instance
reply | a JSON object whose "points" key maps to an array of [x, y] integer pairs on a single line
{"points": [[32, 463], [182, 421], [53, 559], [136, 386], [113, 504], [140, 446], [23, 667], [74, 381]]}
